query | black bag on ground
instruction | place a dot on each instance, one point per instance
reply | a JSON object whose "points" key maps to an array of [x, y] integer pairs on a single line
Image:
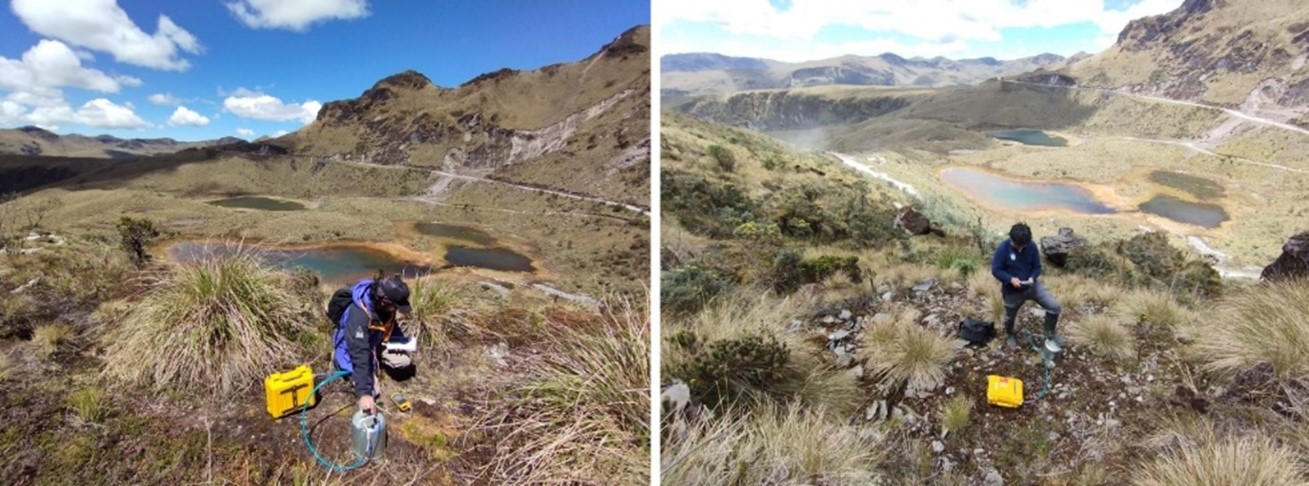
{"points": [[336, 306], [976, 332]]}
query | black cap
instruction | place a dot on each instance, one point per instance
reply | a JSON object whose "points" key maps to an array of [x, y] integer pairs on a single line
{"points": [[1020, 234], [395, 290]]}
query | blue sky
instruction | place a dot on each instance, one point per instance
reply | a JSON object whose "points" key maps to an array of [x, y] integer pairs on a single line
{"points": [[211, 68], [801, 30]]}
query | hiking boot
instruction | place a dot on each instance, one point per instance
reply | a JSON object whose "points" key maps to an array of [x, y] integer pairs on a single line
{"points": [[1010, 342]]}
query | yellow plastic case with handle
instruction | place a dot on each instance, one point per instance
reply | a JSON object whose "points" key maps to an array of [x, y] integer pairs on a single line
{"points": [[1004, 391], [287, 392]]}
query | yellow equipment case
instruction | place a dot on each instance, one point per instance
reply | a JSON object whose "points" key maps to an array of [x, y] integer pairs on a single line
{"points": [[287, 392], [1004, 391]]}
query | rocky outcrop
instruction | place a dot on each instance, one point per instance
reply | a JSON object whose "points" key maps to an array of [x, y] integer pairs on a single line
{"points": [[913, 222], [1049, 79], [1293, 262], [1056, 248]]}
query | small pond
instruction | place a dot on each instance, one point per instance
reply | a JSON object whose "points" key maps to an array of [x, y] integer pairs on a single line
{"points": [[1193, 213], [1029, 137], [1016, 195], [501, 259], [334, 264], [261, 203]]}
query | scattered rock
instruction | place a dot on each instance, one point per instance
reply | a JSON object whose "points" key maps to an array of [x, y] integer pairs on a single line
{"points": [[993, 478], [925, 286], [24, 287], [838, 335], [1056, 248], [677, 394], [886, 297], [845, 315], [857, 372], [578, 298], [1293, 263], [498, 353], [829, 320], [495, 287], [881, 318], [938, 447]]}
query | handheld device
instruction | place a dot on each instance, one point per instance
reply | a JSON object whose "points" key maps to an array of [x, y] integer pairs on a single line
{"points": [[401, 402], [408, 345]]}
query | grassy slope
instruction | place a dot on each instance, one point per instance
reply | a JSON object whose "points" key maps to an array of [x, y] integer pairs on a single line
{"points": [[1104, 421]]}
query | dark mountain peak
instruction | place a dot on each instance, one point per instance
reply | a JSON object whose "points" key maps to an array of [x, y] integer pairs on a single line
{"points": [[892, 58], [39, 132], [406, 80], [503, 73], [631, 42], [1143, 31]]}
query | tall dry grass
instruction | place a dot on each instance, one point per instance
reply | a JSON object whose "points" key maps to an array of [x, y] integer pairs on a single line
{"points": [[582, 414], [771, 444], [1196, 453], [904, 351], [1268, 323], [1105, 336], [217, 326]]}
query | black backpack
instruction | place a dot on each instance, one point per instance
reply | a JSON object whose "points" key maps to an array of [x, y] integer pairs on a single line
{"points": [[337, 305], [976, 332]]}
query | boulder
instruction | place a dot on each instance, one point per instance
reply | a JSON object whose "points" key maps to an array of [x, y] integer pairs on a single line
{"points": [[913, 222], [1293, 262], [1056, 248]]}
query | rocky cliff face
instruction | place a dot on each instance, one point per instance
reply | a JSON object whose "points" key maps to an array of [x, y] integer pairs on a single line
{"points": [[1241, 54], [789, 110], [582, 127]]}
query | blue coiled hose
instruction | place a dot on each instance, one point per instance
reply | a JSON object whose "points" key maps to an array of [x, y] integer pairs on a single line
{"points": [[304, 431], [1045, 363]]}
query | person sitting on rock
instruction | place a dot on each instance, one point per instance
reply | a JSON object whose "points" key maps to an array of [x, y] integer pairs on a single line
{"points": [[365, 318], [1017, 265]]}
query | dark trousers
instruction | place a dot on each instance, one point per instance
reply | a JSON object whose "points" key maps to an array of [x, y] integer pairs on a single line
{"points": [[1037, 292]]}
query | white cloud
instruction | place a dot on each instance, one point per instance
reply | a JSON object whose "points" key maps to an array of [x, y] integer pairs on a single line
{"points": [[295, 15], [51, 64], [280, 133], [103, 26], [936, 26], [245, 132], [164, 99], [183, 116], [10, 111], [247, 104], [98, 113]]}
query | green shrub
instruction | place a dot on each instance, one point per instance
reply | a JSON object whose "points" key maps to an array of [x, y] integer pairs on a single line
{"points": [[727, 370], [758, 232], [956, 413], [791, 271], [687, 288], [952, 258], [88, 404], [703, 207], [724, 157], [136, 235]]}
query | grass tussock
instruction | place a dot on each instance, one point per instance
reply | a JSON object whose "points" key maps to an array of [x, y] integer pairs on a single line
{"points": [[50, 338], [582, 415], [955, 414], [6, 367], [903, 350], [739, 348], [772, 445], [986, 286], [218, 326], [1105, 336], [1257, 325], [437, 305], [1155, 310], [1197, 454], [88, 404]]}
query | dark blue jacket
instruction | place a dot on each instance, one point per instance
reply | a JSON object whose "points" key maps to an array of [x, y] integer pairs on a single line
{"points": [[356, 347], [1008, 263]]}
